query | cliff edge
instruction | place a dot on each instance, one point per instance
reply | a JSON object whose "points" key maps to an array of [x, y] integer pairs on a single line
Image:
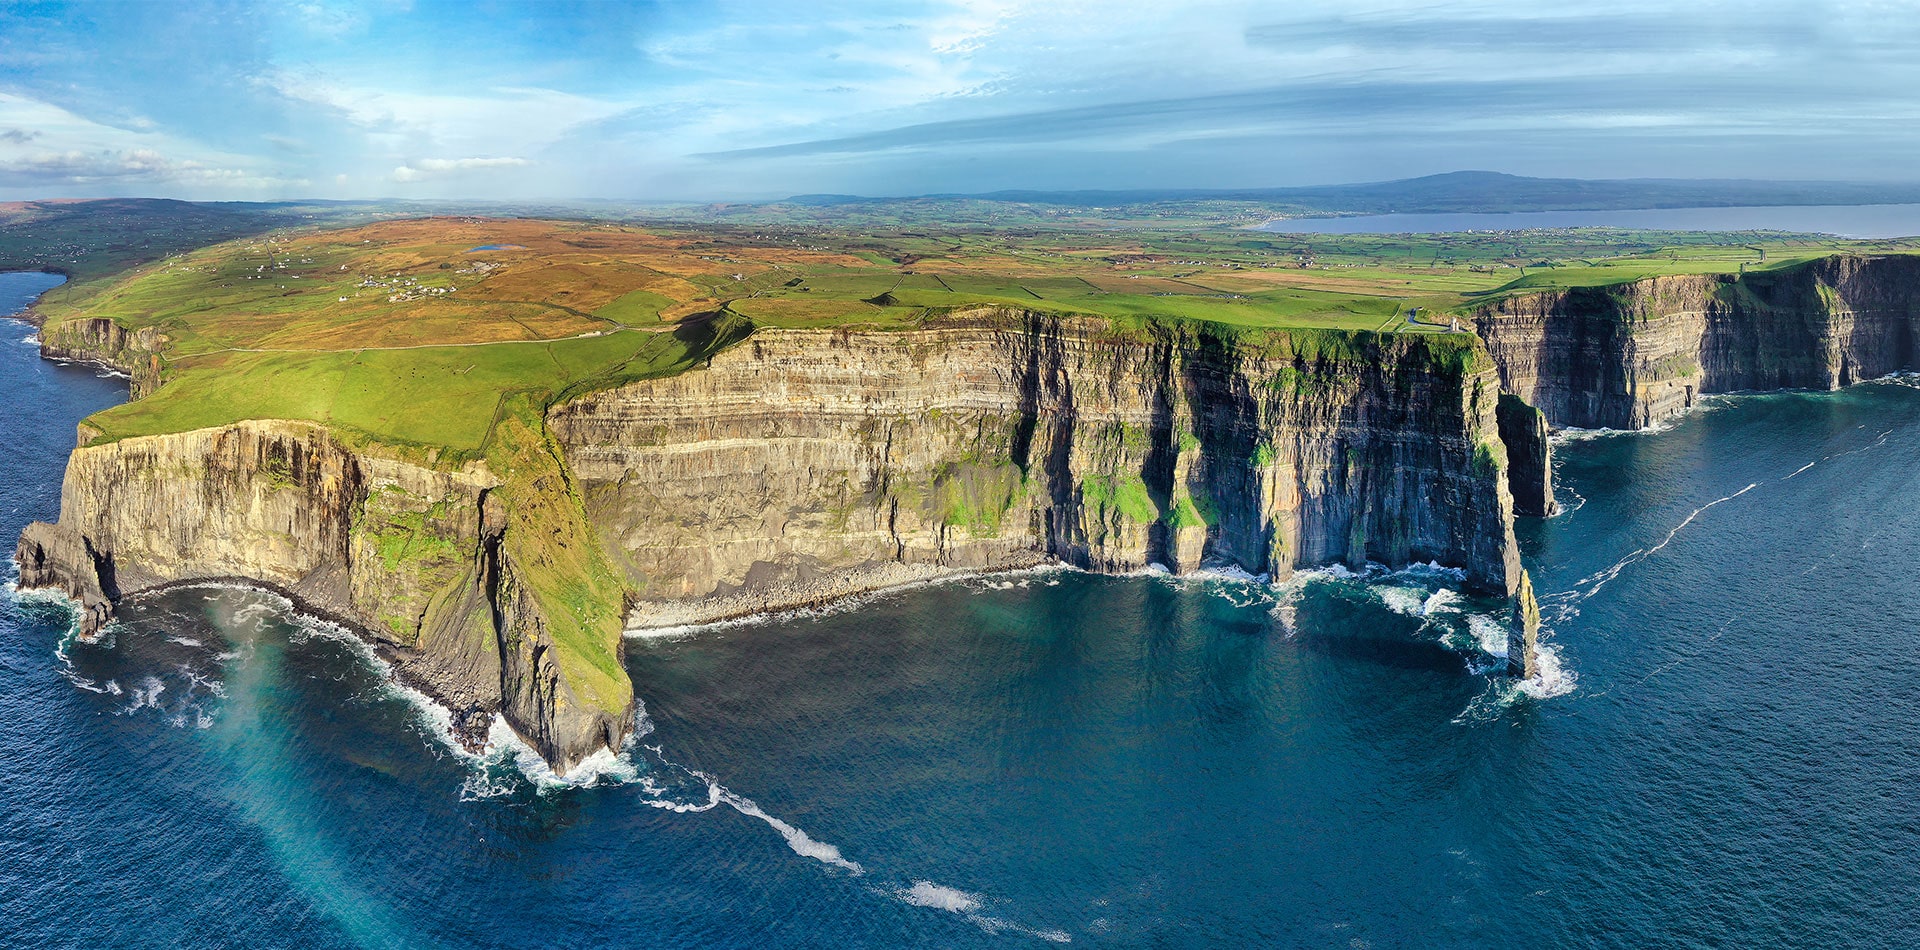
{"points": [[427, 564], [1636, 354], [807, 464], [803, 465]]}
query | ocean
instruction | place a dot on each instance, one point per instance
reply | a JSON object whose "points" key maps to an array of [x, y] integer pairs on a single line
{"points": [[1724, 756]]}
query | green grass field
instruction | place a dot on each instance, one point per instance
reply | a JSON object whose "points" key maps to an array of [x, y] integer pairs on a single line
{"points": [[411, 332]]}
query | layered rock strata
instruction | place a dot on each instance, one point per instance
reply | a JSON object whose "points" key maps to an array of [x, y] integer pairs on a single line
{"points": [[100, 340], [1639, 353], [410, 556], [807, 464], [803, 465]]}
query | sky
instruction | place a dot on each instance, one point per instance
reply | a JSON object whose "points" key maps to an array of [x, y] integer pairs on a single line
{"points": [[709, 101]]}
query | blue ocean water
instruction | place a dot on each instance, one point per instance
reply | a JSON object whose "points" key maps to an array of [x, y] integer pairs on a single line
{"points": [[1730, 759]]}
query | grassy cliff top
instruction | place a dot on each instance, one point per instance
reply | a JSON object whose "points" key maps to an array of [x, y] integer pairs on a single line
{"points": [[412, 332]]}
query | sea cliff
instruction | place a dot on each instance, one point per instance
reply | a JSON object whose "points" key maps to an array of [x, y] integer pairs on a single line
{"points": [[803, 465], [412, 557], [1635, 354], [807, 464], [137, 353]]}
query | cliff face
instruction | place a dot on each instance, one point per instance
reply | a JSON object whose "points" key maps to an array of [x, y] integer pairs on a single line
{"points": [[412, 556], [100, 340], [1636, 354], [1523, 429], [802, 465]]}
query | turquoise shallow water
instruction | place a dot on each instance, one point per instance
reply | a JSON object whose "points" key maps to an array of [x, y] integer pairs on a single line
{"points": [[1031, 759]]}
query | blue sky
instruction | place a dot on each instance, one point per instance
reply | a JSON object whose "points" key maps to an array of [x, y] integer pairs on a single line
{"points": [[726, 100]]}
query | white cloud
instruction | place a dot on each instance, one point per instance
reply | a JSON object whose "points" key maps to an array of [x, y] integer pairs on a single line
{"points": [[427, 167], [56, 148], [459, 164], [487, 121]]}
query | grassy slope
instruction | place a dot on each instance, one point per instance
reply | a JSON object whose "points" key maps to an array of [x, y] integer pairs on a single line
{"points": [[559, 557]]}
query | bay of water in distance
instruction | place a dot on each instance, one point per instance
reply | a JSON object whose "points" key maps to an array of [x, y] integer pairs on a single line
{"points": [[1853, 221], [1026, 760]]}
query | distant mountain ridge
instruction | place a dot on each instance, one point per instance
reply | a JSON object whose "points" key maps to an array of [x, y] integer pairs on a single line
{"points": [[1455, 191]]}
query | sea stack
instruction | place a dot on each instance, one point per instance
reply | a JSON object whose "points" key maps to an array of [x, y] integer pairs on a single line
{"points": [[1523, 642]]}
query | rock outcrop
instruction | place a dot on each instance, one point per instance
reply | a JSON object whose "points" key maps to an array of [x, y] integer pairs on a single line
{"points": [[1639, 353], [100, 340], [412, 556], [802, 465]]}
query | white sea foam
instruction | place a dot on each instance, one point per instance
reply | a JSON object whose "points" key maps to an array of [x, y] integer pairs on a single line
{"points": [[801, 843], [1696, 513], [1705, 404], [857, 601], [145, 695], [62, 646], [1227, 582], [649, 781], [1579, 500], [1591, 584], [939, 897], [659, 797], [1230, 572], [955, 901], [1338, 572], [197, 681], [1429, 592], [47, 597], [184, 641], [1410, 601], [1550, 678], [1489, 635], [1442, 600]]}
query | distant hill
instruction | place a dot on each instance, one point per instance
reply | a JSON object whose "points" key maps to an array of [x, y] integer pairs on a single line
{"points": [[82, 238], [88, 237], [1454, 191]]}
